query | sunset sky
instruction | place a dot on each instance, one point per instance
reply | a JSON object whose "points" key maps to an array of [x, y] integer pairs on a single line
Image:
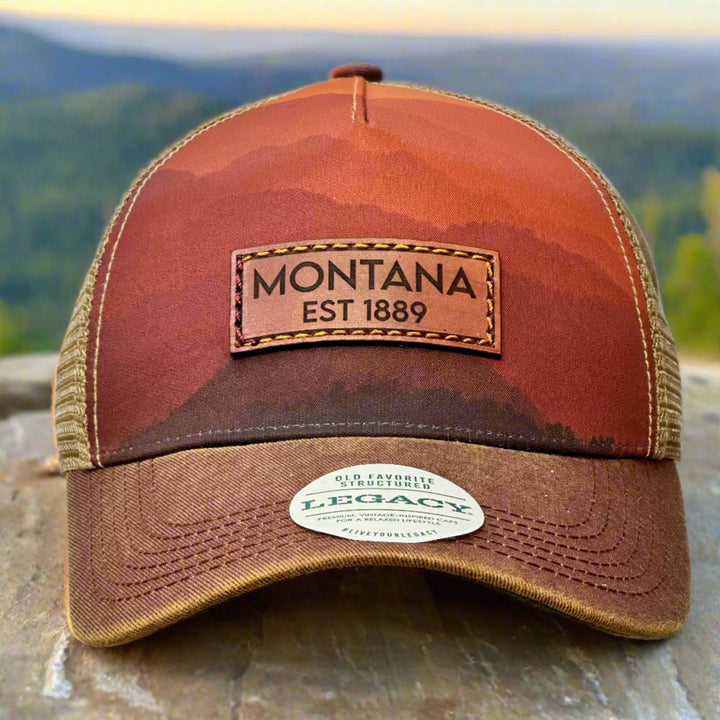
{"points": [[522, 18]]}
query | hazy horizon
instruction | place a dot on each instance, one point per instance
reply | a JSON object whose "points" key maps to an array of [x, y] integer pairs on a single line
{"points": [[513, 18], [206, 42]]}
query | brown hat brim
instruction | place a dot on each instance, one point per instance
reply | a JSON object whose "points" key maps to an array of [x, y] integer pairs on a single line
{"points": [[152, 542]]}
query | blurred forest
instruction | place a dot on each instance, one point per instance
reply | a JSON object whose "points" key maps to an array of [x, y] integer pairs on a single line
{"points": [[76, 127]]}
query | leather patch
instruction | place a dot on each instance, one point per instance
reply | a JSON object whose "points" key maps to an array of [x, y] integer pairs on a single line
{"points": [[366, 289]]}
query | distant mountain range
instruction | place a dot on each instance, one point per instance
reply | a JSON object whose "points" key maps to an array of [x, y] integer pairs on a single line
{"points": [[212, 44], [31, 65], [650, 83]]}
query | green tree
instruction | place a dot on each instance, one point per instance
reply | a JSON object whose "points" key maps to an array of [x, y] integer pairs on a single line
{"points": [[650, 215], [692, 292], [12, 331], [710, 204]]}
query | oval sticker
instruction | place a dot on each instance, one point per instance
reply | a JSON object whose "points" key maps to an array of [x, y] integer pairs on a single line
{"points": [[386, 503]]}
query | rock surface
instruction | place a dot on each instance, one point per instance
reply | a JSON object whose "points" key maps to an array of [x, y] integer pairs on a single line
{"points": [[366, 643], [25, 382]]}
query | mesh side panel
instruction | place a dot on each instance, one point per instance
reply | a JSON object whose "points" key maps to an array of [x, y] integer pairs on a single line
{"points": [[71, 428], [667, 370], [669, 419], [71, 425]]}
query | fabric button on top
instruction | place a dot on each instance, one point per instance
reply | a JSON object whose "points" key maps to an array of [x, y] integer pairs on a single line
{"points": [[372, 73]]}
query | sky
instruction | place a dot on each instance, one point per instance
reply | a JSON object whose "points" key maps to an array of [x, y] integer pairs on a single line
{"points": [[519, 18]]}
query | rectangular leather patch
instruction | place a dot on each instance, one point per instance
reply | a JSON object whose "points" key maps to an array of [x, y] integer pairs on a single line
{"points": [[365, 289]]}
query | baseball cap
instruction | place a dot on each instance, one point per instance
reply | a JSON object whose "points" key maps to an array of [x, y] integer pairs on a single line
{"points": [[370, 323]]}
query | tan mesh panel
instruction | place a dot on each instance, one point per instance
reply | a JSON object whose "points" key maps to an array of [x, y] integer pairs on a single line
{"points": [[71, 429], [71, 425], [667, 373], [669, 421], [667, 370]]}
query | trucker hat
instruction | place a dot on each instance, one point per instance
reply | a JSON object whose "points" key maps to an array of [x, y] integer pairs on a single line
{"points": [[370, 323]]}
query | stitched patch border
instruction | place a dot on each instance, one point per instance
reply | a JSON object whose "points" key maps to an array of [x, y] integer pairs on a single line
{"points": [[486, 338]]}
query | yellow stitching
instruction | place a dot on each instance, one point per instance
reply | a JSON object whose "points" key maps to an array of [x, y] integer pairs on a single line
{"points": [[583, 164], [663, 446], [358, 331], [489, 338], [373, 246]]}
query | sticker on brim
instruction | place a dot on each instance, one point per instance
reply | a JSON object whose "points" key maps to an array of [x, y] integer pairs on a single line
{"points": [[386, 503]]}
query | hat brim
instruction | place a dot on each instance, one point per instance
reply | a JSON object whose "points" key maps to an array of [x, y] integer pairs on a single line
{"points": [[154, 541]]}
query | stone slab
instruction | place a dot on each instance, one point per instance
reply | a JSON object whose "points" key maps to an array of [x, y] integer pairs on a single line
{"points": [[365, 643], [25, 382]]}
